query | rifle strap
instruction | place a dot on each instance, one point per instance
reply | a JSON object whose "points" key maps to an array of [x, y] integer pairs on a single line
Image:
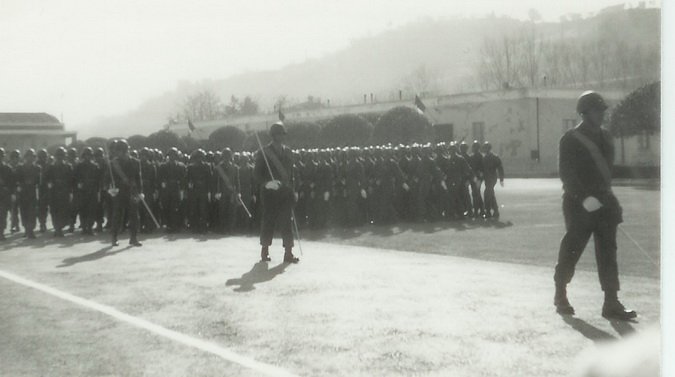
{"points": [[224, 177], [278, 165], [596, 155]]}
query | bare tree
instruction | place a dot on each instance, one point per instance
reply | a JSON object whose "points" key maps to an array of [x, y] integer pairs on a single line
{"points": [[204, 105]]}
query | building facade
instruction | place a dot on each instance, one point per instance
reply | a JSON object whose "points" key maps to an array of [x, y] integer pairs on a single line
{"points": [[32, 130], [523, 125]]}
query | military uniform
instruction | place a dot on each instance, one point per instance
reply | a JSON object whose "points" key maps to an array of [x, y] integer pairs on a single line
{"points": [[88, 178], [199, 178], [126, 203], [172, 178], [226, 177], [28, 177], [586, 156], [7, 186], [59, 177], [492, 170]]}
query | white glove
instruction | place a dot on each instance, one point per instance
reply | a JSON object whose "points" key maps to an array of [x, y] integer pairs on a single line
{"points": [[80, 185], [444, 185], [253, 198], [218, 196], [181, 194], [295, 196], [326, 196], [591, 204], [406, 187], [364, 195], [50, 185], [13, 198], [501, 183], [208, 197], [18, 189], [141, 196], [163, 184], [113, 191], [273, 185]]}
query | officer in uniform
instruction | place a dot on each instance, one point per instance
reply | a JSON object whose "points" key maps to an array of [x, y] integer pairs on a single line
{"points": [[59, 178], [126, 193], [492, 170], [585, 160], [274, 170], [6, 192], [88, 178], [28, 177]]}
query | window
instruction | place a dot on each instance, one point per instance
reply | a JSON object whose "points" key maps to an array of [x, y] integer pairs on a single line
{"points": [[568, 124], [479, 131], [643, 140]]}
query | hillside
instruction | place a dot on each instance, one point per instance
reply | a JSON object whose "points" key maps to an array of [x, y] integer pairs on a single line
{"points": [[445, 52]]}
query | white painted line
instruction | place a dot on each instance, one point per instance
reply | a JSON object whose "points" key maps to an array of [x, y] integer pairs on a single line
{"points": [[267, 369]]}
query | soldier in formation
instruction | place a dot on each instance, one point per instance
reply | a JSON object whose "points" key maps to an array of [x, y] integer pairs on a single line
{"points": [[224, 191]]}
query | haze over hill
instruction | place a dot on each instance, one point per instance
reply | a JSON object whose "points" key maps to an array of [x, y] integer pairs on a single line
{"points": [[445, 52]]}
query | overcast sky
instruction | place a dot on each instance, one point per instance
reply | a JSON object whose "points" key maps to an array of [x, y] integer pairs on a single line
{"points": [[91, 58]]}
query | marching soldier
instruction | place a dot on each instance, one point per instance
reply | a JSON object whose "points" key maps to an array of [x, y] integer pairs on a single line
{"points": [[273, 168], [59, 179], [476, 163], [88, 178], [104, 204], [492, 170], [43, 198], [149, 176], [126, 193], [226, 191], [75, 204], [586, 157], [199, 178], [14, 161], [27, 184], [7, 195], [172, 178]]}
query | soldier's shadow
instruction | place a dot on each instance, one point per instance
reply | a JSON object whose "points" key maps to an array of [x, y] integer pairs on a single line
{"points": [[260, 273], [586, 329], [101, 253]]}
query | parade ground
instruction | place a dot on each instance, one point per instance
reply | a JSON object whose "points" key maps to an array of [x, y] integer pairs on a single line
{"points": [[465, 298]]}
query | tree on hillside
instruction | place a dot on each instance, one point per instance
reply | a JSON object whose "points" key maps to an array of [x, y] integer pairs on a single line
{"points": [[402, 125], [202, 106], [227, 136], [422, 81], [237, 107], [346, 130], [639, 112]]}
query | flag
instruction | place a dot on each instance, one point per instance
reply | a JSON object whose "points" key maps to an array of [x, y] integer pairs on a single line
{"points": [[281, 115], [191, 126], [419, 104]]}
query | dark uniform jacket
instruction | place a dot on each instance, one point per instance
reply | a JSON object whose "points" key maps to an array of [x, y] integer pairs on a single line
{"points": [[285, 158], [578, 171]]}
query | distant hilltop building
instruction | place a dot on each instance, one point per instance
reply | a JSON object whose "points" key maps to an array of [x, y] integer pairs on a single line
{"points": [[32, 130]]}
